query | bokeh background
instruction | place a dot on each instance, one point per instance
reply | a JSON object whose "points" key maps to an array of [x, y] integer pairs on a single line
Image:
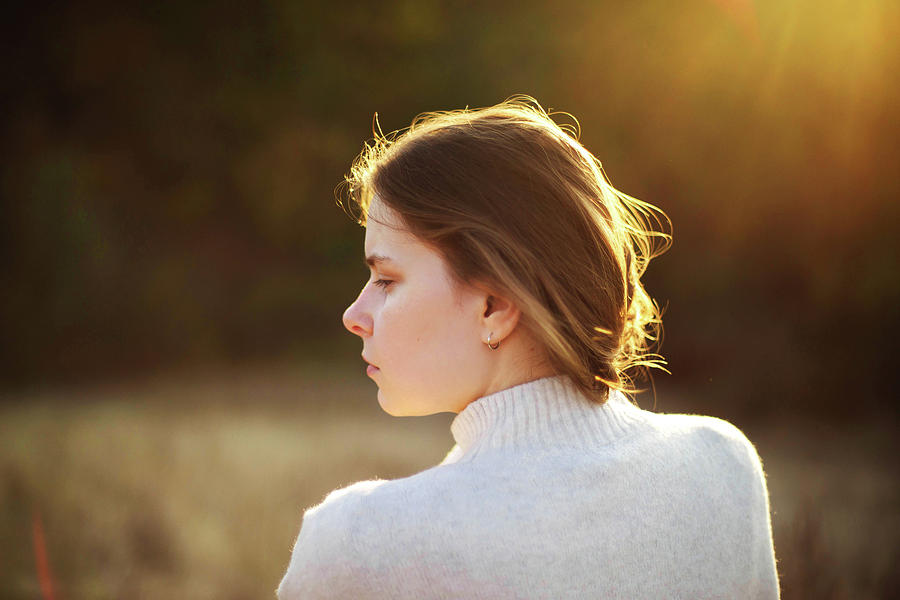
{"points": [[175, 383]]}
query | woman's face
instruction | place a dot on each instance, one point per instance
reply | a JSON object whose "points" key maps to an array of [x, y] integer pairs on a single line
{"points": [[421, 331]]}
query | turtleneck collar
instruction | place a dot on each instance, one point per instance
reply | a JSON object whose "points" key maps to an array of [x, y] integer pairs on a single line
{"points": [[548, 412]]}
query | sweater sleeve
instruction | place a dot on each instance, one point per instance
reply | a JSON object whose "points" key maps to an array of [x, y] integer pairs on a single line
{"points": [[764, 548], [763, 583], [323, 563]]}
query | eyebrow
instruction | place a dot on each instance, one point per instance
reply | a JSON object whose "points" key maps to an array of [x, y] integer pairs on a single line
{"points": [[374, 259]]}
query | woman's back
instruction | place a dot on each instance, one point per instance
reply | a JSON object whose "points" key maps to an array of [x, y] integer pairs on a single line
{"points": [[550, 495]]}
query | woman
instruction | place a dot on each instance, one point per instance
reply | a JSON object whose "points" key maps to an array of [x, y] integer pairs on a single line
{"points": [[505, 287]]}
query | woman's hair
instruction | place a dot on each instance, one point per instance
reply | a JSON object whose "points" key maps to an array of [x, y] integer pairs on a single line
{"points": [[512, 200]]}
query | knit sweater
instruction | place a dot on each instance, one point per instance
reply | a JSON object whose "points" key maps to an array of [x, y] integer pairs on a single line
{"points": [[548, 495]]}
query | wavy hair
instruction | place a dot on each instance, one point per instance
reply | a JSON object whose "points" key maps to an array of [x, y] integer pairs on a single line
{"points": [[512, 199]]}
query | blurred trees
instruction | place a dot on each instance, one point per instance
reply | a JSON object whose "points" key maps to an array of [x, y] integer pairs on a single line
{"points": [[169, 167]]}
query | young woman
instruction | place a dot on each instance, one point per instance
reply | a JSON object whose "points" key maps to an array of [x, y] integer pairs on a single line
{"points": [[505, 287]]}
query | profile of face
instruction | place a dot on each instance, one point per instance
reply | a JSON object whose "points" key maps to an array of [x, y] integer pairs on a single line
{"points": [[423, 333]]}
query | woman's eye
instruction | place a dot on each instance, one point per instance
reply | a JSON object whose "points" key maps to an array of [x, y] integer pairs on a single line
{"points": [[383, 282]]}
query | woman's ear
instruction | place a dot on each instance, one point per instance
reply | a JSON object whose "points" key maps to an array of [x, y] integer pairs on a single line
{"points": [[500, 317]]}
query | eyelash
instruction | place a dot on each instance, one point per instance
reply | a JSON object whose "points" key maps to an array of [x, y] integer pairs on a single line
{"points": [[383, 282]]}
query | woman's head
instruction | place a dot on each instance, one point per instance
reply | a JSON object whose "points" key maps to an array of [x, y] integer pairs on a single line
{"points": [[519, 211]]}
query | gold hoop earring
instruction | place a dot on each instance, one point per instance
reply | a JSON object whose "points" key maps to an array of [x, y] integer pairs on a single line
{"points": [[490, 345]]}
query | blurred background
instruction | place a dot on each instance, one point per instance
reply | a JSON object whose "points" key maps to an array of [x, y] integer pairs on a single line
{"points": [[175, 382]]}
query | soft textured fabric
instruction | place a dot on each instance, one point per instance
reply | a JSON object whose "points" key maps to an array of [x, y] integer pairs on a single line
{"points": [[547, 495]]}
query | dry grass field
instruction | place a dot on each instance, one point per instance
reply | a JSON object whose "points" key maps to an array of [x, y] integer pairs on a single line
{"points": [[193, 486]]}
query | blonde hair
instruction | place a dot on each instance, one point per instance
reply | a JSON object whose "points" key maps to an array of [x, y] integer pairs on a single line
{"points": [[514, 201]]}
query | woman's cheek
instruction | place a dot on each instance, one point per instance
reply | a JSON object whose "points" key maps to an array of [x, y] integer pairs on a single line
{"points": [[395, 319]]}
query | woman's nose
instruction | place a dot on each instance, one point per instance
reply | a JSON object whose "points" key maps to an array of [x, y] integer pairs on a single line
{"points": [[356, 319]]}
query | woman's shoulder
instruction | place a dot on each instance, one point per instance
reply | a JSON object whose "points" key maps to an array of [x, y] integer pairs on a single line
{"points": [[350, 508], [705, 430], [346, 498], [705, 443], [369, 507], [344, 539], [367, 496], [322, 559]]}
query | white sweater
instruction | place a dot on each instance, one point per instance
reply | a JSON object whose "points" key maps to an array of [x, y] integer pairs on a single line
{"points": [[547, 495]]}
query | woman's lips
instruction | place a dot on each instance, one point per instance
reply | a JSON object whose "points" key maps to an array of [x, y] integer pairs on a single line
{"points": [[371, 369]]}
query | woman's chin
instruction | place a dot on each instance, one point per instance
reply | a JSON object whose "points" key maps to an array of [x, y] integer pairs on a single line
{"points": [[400, 406], [389, 407]]}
